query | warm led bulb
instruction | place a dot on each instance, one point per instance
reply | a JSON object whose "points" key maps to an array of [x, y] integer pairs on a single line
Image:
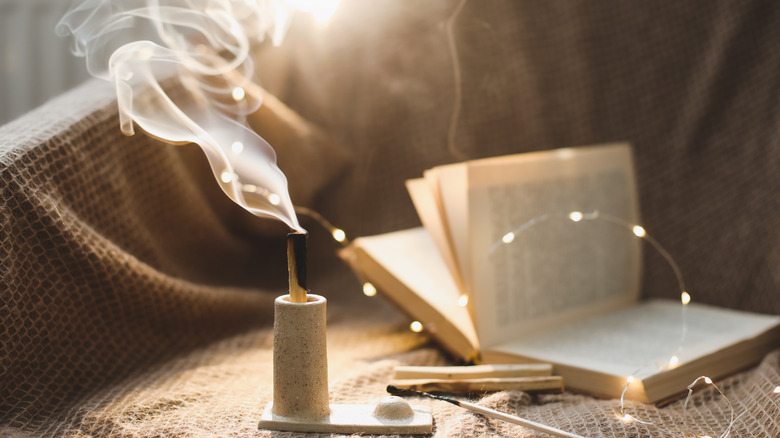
{"points": [[575, 216], [274, 199], [627, 418], [685, 297], [673, 361], [463, 300], [707, 380], [777, 390], [508, 237], [226, 177], [250, 188], [238, 94], [237, 147], [639, 231], [630, 379], [416, 326], [368, 289], [339, 235]]}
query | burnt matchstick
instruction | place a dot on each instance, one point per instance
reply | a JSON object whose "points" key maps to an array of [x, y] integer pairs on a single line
{"points": [[487, 412], [296, 265]]}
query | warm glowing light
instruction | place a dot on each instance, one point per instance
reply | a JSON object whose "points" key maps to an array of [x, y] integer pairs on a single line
{"points": [[707, 380], [274, 199], [322, 10], [237, 147], [630, 379], [508, 237], [565, 153], [777, 390], [627, 418], [463, 301], [368, 289], [685, 297], [238, 94], [639, 231], [250, 188], [226, 177], [339, 235], [673, 361], [575, 216], [416, 326]]}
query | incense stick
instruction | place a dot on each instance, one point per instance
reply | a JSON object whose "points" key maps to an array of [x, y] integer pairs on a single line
{"points": [[487, 412], [473, 371], [296, 265], [466, 386]]}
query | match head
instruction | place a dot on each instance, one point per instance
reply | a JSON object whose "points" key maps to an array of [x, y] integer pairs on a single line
{"points": [[392, 389]]}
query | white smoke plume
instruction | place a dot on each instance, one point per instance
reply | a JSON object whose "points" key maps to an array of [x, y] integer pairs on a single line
{"points": [[200, 49]]}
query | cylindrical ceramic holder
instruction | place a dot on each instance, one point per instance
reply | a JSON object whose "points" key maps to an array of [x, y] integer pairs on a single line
{"points": [[300, 358]]}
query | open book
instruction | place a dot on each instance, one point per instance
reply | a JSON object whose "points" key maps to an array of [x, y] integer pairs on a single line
{"points": [[537, 258]]}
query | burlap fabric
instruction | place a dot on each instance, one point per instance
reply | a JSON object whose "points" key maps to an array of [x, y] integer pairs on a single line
{"points": [[136, 299]]}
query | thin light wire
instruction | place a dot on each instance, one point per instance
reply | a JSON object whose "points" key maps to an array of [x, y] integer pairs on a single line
{"points": [[595, 215], [690, 393], [324, 223], [457, 79], [631, 227]]}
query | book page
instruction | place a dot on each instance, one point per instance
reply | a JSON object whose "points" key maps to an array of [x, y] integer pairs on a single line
{"points": [[640, 340], [449, 183], [430, 214], [417, 279], [532, 268]]}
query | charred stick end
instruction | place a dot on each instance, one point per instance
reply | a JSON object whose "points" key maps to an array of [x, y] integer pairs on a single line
{"points": [[392, 389], [296, 264]]}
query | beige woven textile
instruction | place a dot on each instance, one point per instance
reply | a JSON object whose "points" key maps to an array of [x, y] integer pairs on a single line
{"points": [[135, 299]]}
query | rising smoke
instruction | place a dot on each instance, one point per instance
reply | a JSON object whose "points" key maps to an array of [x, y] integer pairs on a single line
{"points": [[182, 73]]}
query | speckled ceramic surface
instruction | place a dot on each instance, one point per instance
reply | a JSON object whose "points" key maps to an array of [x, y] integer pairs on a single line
{"points": [[300, 358], [301, 382]]}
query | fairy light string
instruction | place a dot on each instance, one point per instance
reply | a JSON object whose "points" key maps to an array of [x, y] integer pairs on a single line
{"points": [[336, 233], [640, 232]]}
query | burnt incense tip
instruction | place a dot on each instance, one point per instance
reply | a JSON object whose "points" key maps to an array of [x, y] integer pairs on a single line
{"points": [[296, 263], [392, 389]]}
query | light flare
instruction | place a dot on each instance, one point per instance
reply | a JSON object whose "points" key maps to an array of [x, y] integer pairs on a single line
{"points": [[321, 10], [339, 235], [238, 94], [368, 289]]}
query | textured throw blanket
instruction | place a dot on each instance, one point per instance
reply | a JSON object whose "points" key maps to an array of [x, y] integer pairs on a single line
{"points": [[136, 300]]}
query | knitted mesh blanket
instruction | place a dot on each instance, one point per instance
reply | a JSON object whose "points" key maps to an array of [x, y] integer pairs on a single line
{"points": [[137, 300]]}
